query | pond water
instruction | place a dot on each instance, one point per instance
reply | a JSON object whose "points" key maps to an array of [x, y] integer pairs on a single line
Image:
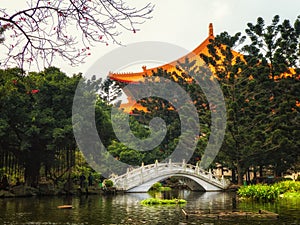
{"points": [[126, 209]]}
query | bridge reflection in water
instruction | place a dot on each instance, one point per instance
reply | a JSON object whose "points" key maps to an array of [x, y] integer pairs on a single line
{"points": [[141, 179]]}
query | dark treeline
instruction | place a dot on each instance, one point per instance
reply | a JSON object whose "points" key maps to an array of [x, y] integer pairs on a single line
{"points": [[36, 131]]}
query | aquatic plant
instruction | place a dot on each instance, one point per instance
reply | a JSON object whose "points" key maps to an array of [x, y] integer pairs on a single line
{"points": [[288, 186], [263, 192], [157, 201]]}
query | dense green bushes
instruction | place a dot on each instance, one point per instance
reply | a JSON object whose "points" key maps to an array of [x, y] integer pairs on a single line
{"points": [[288, 186], [259, 192], [263, 192]]}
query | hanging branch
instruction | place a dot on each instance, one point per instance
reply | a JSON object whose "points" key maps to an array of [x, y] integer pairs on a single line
{"points": [[50, 29]]}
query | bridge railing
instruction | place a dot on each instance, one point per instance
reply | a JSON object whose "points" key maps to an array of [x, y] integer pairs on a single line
{"points": [[145, 172]]}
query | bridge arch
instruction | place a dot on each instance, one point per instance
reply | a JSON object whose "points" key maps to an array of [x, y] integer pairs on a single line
{"points": [[141, 179], [202, 185]]}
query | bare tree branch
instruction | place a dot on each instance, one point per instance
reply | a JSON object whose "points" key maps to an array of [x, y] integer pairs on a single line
{"points": [[48, 29]]}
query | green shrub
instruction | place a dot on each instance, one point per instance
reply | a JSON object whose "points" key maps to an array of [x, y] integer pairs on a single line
{"points": [[156, 186], [165, 189], [108, 183]]}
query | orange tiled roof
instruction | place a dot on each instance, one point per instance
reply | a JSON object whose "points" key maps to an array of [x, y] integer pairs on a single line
{"points": [[169, 67]]}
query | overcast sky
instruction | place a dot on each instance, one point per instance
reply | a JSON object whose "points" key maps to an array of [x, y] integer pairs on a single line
{"points": [[185, 22]]}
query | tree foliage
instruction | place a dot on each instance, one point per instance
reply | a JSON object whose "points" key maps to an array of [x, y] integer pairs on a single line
{"points": [[36, 114], [261, 89], [277, 47]]}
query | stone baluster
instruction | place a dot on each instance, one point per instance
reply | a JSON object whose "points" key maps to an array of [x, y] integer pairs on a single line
{"points": [[156, 166], [209, 174], [142, 167], [170, 163], [197, 169], [183, 164], [223, 181]]}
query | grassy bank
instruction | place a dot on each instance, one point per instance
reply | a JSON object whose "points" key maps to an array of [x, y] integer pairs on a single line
{"points": [[263, 192]]}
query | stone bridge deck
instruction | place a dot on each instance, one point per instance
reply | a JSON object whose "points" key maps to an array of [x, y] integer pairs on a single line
{"points": [[141, 179]]}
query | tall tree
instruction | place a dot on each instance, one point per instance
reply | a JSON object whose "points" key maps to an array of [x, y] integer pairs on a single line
{"points": [[276, 46], [37, 114], [228, 67], [249, 83]]}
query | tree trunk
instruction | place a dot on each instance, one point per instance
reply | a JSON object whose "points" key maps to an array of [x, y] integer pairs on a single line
{"points": [[240, 174], [260, 171], [248, 175], [32, 169], [233, 176], [32, 174]]}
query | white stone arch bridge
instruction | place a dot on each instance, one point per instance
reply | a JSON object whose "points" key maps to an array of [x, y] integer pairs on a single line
{"points": [[141, 179]]}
